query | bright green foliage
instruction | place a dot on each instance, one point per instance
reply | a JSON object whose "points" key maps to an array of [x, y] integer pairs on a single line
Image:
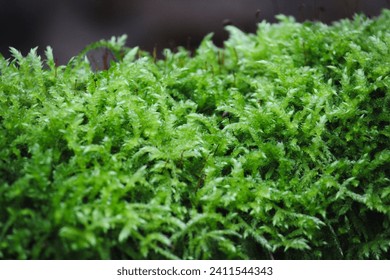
{"points": [[274, 146]]}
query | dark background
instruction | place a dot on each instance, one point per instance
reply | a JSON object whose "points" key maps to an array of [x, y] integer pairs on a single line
{"points": [[69, 25]]}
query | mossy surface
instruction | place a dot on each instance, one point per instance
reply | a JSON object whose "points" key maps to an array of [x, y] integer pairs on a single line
{"points": [[274, 146]]}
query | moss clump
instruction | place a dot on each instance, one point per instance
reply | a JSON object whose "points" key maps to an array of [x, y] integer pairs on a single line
{"points": [[274, 146]]}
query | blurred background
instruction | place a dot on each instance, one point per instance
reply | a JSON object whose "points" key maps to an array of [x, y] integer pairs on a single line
{"points": [[69, 25]]}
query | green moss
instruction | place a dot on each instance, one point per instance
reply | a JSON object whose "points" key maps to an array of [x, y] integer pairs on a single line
{"points": [[274, 146]]}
